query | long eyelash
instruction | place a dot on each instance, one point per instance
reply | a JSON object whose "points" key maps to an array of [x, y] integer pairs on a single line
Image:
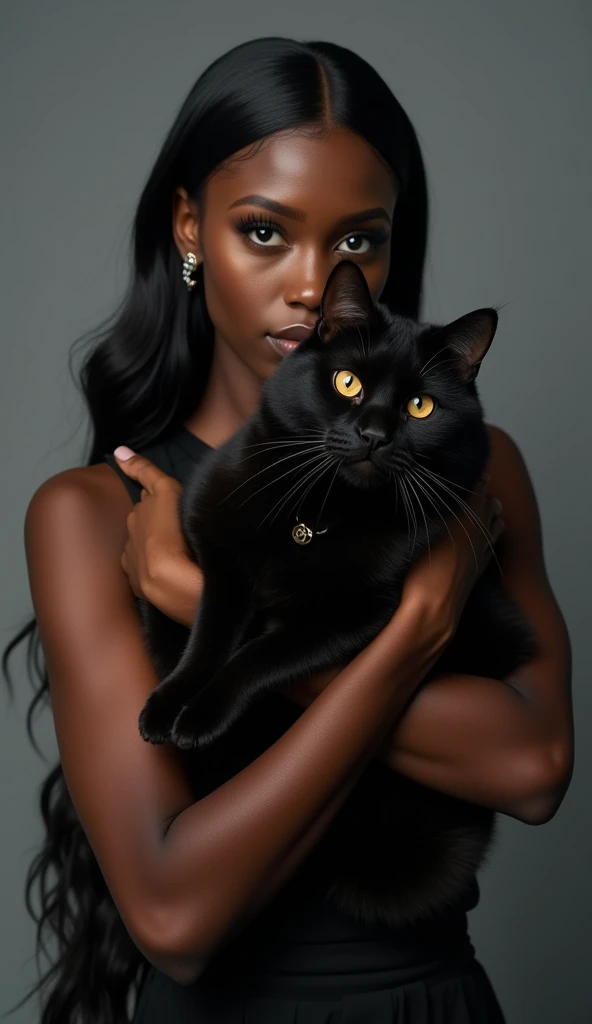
{"points": [[250, 221], [376, 237], [255, 220]]}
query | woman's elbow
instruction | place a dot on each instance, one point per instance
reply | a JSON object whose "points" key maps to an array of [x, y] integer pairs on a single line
{"points": [[550, 777], [168, 947]]}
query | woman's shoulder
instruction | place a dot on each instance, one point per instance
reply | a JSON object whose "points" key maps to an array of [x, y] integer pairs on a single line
{"points": [[88, 492], [110, 490], [97, 481], [509, 473], [103, 491]]}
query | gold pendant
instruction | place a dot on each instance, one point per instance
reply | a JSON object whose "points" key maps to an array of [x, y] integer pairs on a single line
{"points": [[302, 534]]}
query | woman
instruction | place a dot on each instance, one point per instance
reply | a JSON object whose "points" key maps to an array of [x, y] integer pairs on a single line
{"points": [[284, 158]]}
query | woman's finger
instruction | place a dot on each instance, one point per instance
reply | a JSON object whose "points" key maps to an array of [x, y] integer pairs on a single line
{"points": [[139, 468]]}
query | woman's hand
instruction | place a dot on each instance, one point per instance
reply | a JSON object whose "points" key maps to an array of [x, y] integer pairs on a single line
{"points": [[443, 578], [155, 557]]}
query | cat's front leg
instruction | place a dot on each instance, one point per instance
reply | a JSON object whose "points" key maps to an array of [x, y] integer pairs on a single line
{"points": [[265, 664], [220, 621]]}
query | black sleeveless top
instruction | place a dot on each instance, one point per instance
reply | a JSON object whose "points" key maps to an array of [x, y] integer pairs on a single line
{"points": [[298, 914]]}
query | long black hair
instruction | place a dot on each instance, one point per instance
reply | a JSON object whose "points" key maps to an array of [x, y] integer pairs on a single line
{"points": [[144, 374]]}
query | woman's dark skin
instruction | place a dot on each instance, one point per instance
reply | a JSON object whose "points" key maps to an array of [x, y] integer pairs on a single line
{"points": [[184, 890]]}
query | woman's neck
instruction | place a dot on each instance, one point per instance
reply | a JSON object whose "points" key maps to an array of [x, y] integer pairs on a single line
{"points": [[231, 396]]}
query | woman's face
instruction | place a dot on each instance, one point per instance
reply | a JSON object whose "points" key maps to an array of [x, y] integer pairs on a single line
{"points": [[273, 224]]}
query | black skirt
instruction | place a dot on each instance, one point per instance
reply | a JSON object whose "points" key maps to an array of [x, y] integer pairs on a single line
{"points": [[325, 968]]}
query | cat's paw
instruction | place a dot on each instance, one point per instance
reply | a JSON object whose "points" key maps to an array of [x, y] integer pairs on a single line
{"points": [[199, 723], [157, 716]]}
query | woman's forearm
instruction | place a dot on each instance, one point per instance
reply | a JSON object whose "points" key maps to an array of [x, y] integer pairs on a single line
{"points": [[176, 590], [471, 737], [226, 855], [477, 739]]}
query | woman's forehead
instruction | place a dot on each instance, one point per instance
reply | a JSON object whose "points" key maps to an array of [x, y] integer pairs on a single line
{"points": [[339, 172]]}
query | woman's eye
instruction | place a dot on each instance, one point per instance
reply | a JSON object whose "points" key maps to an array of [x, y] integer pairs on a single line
{"points": [[420, 406], [346, 383], [263, 236], [356, 243], [259, 231]]}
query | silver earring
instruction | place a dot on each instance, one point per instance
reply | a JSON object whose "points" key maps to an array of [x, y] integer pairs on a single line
{"points": [[189, 266]]}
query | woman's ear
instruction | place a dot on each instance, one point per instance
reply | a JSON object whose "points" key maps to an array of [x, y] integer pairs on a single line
{"points": [[186, 224]]}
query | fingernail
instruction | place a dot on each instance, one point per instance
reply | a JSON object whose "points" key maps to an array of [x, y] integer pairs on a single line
{"points": [[123, 452]]}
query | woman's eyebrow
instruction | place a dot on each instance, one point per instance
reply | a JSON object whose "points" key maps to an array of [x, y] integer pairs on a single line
{"points": [[290, 211], [269, 204]]}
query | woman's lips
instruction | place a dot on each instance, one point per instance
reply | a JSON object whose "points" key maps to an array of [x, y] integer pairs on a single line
{"points": [[282, 345], [289, 338]]}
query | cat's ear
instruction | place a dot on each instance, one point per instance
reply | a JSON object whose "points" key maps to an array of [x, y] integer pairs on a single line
{"points": [[469, 338], [346, 301]]}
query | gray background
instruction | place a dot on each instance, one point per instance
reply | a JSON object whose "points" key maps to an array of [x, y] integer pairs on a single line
{"points": [[499, 93]]}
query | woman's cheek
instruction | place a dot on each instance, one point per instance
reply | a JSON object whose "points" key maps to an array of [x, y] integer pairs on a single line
{"points": [[231, 298]]}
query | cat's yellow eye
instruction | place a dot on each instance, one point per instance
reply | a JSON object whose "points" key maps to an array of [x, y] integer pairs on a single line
{"points": [[420, 406], [346, 383]]}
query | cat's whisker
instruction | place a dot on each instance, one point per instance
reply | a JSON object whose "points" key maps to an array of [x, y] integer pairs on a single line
{"points": [[414, 517], [322, 470], [470, 512], [320, 455], [451, 455], [300, 483], [434, 355], [412, 511], [455, 516], [300, 499], [282, 501], [422, 488], [446, 479], [472, 515], [270, 465], [328, 489], [450, 359], [405, 497], [408, 481], [399, 492], [282, 444], [313, 435], [309, 462]]}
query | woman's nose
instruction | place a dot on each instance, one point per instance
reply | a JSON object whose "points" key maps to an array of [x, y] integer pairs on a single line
{"points": [[305, 280]]}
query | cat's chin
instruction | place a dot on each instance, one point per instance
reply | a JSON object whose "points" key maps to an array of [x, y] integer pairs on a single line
{"points": [[362, 473]]}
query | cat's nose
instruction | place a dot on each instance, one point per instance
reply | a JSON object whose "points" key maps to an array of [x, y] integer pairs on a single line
{"points": [[374, 437]]}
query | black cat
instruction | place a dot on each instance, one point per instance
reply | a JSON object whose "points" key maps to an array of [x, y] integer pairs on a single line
{"points": [[305, 523]]}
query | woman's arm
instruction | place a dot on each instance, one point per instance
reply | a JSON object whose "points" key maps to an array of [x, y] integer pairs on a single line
{"points": [[185, 874], [481, 730]]}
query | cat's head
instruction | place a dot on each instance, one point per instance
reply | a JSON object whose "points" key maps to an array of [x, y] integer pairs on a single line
{"points": [[383, 396]]}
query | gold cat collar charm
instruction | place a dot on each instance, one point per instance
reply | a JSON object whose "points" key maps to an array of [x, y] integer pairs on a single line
{"points": [[302, 534]]}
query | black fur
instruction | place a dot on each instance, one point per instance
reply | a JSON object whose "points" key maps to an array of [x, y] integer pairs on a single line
{"points": [[274, 611]]}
